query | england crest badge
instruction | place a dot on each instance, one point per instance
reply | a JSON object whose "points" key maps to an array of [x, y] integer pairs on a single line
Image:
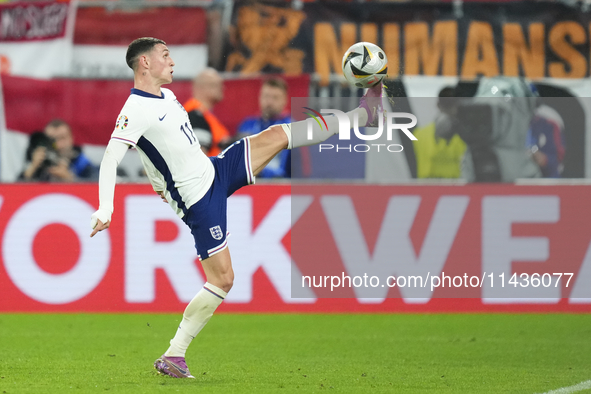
{"points": [[216, 232]]}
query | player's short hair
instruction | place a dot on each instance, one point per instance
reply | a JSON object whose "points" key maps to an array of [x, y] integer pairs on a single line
{"points": [[138, 47], [276, 83]]}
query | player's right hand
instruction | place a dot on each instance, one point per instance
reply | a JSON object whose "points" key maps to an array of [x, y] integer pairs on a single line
{"points": [[99, 221], [161, 194]]}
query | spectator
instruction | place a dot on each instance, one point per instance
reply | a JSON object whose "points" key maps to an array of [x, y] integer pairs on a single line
{"points": [[272, 104], [438, 150], [53, 157], [208, 90], [546, 141]]}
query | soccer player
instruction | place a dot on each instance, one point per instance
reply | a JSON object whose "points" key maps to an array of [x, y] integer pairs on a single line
{"points": [[195, 186]]}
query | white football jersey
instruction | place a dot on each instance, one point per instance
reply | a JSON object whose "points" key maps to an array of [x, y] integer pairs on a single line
{"points": [[159, 128]]}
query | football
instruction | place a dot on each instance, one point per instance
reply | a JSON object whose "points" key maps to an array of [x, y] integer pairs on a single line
{"points": [[364, 64]]}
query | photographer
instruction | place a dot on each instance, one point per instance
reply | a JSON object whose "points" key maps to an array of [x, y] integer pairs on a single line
{"points": [[53, 157], [494, 125]]}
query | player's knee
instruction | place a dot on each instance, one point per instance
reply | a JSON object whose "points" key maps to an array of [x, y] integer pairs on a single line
{"points": [[226, 282], [275, 135], [280, 135], [226, 279]]}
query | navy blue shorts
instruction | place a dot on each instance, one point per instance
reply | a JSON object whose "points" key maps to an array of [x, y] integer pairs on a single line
{"points": [[207, 217]]}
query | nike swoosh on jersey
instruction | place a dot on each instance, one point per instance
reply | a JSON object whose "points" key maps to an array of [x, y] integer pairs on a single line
{"points": [[162, 118]]}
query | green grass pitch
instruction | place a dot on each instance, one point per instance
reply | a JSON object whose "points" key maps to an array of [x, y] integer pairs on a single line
{"points": [[284, 353]]}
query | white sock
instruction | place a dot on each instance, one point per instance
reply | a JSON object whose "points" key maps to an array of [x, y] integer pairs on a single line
{"points": [[195, 317], [297, 132]]}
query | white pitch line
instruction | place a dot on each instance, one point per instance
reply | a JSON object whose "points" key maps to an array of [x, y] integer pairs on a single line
{"points": [[572, 389]]}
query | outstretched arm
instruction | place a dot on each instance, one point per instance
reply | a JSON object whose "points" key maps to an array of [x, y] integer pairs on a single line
{"points": [[101, 219]]}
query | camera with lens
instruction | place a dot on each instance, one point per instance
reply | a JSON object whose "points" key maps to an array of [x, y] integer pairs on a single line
{"points": [[40, 139], [494, 125]]}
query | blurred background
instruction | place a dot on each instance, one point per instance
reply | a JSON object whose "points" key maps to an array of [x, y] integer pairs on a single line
{"points": [[65, 60]]}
